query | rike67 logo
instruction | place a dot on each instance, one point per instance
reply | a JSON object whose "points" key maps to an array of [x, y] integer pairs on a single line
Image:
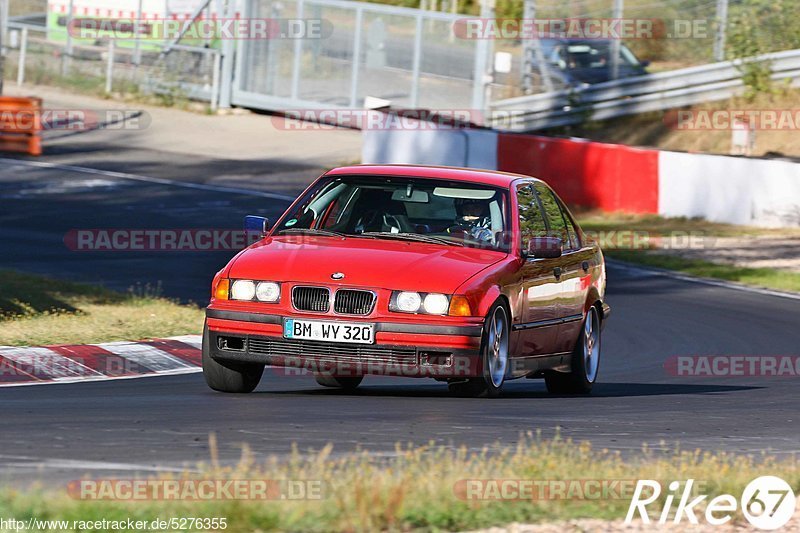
{"points": [[767, 502]]}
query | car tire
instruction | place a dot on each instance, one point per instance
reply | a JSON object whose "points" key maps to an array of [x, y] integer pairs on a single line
{"points": [[229, 376], [585, 360], [494, 357], [345, 383]]}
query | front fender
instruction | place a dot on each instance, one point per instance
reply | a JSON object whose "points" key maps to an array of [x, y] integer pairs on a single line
{"points": [[483, 290]]}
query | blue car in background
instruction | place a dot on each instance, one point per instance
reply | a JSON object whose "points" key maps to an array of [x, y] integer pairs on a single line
{"points": [[573, 63]]}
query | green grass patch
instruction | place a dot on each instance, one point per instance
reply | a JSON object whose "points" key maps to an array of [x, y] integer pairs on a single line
{"points": [[650, 228], [416, 488], [664, 226], [768, 278], [36, 310]]}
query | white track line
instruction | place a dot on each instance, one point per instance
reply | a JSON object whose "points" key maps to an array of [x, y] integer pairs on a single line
{"points": [[33, 463], [704, 281], [190, 370], [147, 179]]}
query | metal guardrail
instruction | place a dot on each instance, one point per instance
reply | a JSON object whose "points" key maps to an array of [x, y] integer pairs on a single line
{"points": [[640, 94]]}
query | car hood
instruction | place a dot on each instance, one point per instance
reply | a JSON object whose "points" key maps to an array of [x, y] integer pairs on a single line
{"points": [[376, 263]]}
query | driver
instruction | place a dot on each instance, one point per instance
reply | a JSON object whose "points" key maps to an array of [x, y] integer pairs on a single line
{"points": [[473, 219]]}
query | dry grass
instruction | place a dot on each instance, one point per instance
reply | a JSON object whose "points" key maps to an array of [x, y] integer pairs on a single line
{"points": [[414, 489], [26, 7], [650, 129], [35, 310]]}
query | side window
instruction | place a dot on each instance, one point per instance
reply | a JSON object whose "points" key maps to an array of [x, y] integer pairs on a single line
{"points": [[555, 218], [531, 221], [574, 240]]}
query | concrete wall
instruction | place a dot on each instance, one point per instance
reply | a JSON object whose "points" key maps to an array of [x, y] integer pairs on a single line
{"points": [[445, 147], [735, 190]]}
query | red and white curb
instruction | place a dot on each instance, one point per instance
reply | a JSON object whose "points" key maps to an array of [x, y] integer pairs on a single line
{"points": [[39, 365]]}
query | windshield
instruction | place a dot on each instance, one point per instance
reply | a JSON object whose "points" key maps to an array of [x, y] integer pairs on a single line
{"points": [[591, 56], [424, 210]]}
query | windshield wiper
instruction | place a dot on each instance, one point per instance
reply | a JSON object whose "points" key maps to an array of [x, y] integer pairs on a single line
{"points": [[313, 231], [410, 237]]}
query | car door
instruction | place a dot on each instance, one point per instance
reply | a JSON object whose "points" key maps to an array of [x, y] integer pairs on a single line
{"points": [[574, 266], [540, 289]]}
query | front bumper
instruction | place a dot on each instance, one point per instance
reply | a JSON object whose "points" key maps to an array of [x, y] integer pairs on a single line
{"points": [[401, 349]]}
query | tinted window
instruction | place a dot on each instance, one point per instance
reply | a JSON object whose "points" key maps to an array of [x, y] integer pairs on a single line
{"points": [[574, 241], [461, 213], [531, 221], [555, 218], [584, 55]]}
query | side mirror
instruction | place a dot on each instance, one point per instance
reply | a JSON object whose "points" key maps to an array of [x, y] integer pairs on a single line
{"points": [[645, 63], [544, 248], [257, 225]]}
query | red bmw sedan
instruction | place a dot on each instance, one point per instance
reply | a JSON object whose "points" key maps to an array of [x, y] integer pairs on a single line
{"points": [[469, 277]]}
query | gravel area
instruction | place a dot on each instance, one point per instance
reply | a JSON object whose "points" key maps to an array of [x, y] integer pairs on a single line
{"points": [[762, 251]]}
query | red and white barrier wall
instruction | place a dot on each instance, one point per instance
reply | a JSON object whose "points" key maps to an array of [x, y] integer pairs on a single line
{"points": [[38, 365], [611, 177], [606, 176]]}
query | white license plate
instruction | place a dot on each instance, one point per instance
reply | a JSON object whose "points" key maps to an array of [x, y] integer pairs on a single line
{"points": [[314, 330]]}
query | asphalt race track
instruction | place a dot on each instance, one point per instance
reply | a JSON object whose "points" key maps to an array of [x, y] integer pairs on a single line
{"points": [[143, 425]]}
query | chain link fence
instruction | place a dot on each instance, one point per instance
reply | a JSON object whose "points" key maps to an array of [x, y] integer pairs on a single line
{"points": [[38, 55], [406, 56]]}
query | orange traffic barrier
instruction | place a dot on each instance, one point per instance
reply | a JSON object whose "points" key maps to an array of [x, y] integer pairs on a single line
{"points": [[21, 125]]}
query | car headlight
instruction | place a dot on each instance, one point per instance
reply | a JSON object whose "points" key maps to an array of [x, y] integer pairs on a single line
{"points": [[408, 302], [268, 291], [243, 289], [436, 304], [248, 290], [415, 302]]}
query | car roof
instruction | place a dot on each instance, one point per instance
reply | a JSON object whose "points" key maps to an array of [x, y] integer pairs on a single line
{"points": [[563, 40], [487, 177]]}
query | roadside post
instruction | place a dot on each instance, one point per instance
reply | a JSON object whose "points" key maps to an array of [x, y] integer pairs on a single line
{"points": [[619, 7], [3, 36]]}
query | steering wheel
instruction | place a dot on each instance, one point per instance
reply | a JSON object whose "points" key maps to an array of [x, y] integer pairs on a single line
{"points": [[392, 222], [455, 228], [369, 218]]}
